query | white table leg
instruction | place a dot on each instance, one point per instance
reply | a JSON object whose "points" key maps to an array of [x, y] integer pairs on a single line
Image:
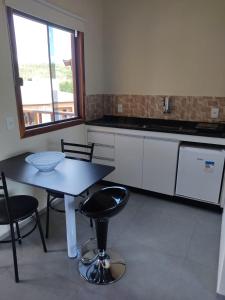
{"points": [[71, 226]]}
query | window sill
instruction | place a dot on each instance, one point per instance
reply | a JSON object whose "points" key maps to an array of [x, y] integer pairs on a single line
{"points": [[50, 127]]}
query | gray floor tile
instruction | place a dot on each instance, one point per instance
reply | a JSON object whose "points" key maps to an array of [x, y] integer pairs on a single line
{"points": [[205, 276], [204, 245], [171, 251], [166, 233]]}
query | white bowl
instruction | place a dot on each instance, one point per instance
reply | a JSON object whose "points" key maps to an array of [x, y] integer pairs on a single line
{"points": [[45, 161]]}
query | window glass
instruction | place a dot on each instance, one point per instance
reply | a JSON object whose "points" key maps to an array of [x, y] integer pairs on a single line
{"points": [[46, 66], [62, 75]]}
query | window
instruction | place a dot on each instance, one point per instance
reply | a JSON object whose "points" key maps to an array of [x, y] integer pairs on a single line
{"points": [[48, 73]]}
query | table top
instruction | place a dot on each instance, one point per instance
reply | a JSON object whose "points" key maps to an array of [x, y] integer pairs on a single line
{"points": [[71, 177]]}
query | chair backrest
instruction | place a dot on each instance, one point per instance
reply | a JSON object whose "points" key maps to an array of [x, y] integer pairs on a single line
{"points": [[3, 186], [5, 195], [2, 195], [77, 151]]}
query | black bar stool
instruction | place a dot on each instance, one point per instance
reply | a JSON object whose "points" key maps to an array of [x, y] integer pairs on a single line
{"points": [[106, 267]]}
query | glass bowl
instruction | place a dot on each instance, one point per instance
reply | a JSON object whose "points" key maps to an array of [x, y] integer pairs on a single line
{"points": [[45, 161]]}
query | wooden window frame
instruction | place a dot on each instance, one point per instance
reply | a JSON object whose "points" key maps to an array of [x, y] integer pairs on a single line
{"points": [[78, 70]]}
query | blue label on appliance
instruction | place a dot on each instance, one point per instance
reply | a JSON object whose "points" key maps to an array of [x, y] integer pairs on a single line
{"points": [[209, 164]]}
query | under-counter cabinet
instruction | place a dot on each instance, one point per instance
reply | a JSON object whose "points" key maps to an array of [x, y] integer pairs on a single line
{"points": [[104, 150], [128, 158], [160, 165], [142, 162], [144, 159]]}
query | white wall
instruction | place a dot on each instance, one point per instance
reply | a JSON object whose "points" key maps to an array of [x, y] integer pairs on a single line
{"points": [[91, 11], [10, 142], [174, 47]]}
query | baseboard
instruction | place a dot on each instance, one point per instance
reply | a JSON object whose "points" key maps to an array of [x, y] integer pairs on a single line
{"points": [[186, 201]]}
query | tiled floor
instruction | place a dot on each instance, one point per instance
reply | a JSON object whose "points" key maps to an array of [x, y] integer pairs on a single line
{"points": [[171, 251]]}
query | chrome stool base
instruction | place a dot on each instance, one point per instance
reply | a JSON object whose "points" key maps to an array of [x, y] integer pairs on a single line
{"points": [[103, 270]]}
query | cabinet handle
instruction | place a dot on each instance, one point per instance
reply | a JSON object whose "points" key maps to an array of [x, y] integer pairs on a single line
{"points": [[160, 139], [130, 135], [104, 132], [102, 145], [103, 158]]}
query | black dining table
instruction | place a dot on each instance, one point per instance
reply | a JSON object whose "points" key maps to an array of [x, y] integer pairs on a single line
{"points": [[70, 177]]}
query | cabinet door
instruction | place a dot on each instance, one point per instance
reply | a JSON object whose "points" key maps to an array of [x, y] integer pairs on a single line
{"points": [[160, 165], [128, 156]]}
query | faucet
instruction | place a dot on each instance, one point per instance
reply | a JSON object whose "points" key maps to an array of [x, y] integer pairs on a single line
{"points": [[166, 105]]}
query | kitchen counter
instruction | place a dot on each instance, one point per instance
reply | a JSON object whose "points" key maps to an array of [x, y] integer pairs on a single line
{"points": [[160, 125]]}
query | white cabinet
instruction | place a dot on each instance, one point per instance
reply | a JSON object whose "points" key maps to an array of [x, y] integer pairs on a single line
{"points": [[159, 165], [101, 138], [104, 149], [128, 158], [149, 163]]}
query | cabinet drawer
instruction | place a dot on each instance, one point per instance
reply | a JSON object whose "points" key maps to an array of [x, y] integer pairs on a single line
{"points": [[103, 162], [111, 176], [104, 152], [101, 138]]}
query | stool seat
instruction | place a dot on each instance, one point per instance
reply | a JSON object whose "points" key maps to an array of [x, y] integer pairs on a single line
{"points": [[105, 203]]}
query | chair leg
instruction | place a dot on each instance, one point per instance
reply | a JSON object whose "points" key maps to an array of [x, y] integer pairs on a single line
{"points": [[47, 217], [41, 231], [18, 233], [14, 253]]}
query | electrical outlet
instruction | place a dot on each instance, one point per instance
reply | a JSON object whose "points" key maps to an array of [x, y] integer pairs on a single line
{"points": [[214, 112], [120, 108]]}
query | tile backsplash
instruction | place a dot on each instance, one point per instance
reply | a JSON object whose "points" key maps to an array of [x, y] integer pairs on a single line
{"points": [[188, 108], [94, 107]]}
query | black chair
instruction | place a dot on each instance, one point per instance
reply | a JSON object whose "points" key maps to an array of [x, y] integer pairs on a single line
{"points": [[106, 267], [72, 151], [13, 210]]}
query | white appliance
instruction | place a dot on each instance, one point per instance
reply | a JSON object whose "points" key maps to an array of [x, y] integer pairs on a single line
{"points": [[200, 172]]}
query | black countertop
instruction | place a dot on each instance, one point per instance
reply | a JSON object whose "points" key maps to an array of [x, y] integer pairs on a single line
{"points": [[161, 125]]}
